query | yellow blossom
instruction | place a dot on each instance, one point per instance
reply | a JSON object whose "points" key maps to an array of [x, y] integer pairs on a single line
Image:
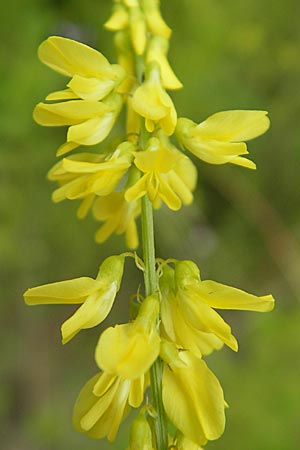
{"points": [[155, 22], [193, 398], [175, 325], [168, 175], [84, 174], [219, 139], [103, 403], [192, 306], [151, 101], [118, 216], [96, 296], [183, 443], [135, 345], [93, 77], [90, 121], [138, 30], [157, 51], [119, 18]]}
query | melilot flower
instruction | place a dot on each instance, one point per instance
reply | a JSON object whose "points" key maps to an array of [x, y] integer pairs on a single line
{"points": [[219, 139], [135, 345], [93, 77], [104, 402], [168, 175], [84, 174], [95, 296], [192, 307], [90, 121], [151, 101], [118, 216], [193, 398]]}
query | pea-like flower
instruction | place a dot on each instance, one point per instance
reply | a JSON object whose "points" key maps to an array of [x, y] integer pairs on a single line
{"points": [[90, 121], [151, 101], [104, 402], [157, 51], [85, 174], [135, 345], [155, 22], [93, 77], [195, 301], [118, 216], [193, 398], [96, 296], [220, 138], [175, 325], [168, 175]]}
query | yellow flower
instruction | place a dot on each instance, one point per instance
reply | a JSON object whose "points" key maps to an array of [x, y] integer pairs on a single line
{"points": [[104, 402], [135, 345], [175, 325], [84, 174], [138, 30], [157, 50], [118, 216], [96, 296], [193, 398], [195, 300], [119, 18], [151, 101], [90, 121], [155, 22], [169, 176], [93, 77], [219, 139]]}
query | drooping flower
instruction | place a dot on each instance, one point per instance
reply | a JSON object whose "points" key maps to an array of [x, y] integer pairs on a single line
{"points": [[90, 121], [168, 175], [157, 51], [220, 138], [118, 216], [151, 101], [93, 77], [193, 397], [136, 345], [156, 24], [192, 307], [183, 443], [96, 296], [86, 174], [176, 327], [104, 402]]}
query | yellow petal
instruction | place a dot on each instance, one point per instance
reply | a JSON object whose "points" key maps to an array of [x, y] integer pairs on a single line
{"points": [[69, 291], [135, 351], [136, 394], [91, 313], [220, 296], [234, 126], [66, 94], [91, 88], [66, 148], [67, 113], [92, 131], [195, 407], [70, 57]]}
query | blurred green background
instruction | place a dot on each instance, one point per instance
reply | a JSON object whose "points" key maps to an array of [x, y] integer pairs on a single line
{"points": [[243, 228]]}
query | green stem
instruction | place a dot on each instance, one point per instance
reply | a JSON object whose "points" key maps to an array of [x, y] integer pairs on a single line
{"points": [[151, 286]]}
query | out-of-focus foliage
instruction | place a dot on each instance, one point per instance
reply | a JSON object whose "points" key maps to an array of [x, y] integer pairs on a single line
{"points": [[243, 229]]}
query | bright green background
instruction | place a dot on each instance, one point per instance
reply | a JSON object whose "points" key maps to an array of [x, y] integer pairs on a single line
{"points": [[243, 228]]}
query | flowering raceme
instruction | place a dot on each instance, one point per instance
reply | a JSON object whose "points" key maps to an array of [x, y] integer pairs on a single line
{"points": [[126, 173]]}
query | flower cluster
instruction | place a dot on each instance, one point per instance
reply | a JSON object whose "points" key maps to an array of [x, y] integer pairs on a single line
{"points": [[190, 328], [111, 180], [175, 324]]}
